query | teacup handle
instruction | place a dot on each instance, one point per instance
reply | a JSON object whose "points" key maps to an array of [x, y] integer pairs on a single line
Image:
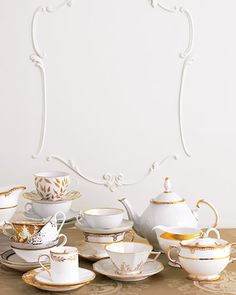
{"points": [[80, 217], [232, 259], [171, 247], [64, 241], [156, 253], [46, 268], [63, 221], [131, 235], [212, 230], [28, 207], [4, 229]]}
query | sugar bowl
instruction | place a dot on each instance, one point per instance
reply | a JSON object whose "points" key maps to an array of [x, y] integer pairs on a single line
{"points": [[203, 258]]}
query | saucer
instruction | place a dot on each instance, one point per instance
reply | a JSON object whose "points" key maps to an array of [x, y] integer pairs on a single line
{"points": [[107, 268], [33, 216], [84, 227], [29, 279], [86, 252], [11, 260], [35, 197], [84, 276]]}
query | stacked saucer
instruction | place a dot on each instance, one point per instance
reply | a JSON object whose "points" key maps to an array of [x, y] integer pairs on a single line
{"points": [[101, 227], [30, 239], [51, 196], [9, 196]]}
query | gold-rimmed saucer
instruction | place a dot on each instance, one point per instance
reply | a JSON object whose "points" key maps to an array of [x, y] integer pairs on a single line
{"points": [[29, 279], [86, 252], [35, 197]]}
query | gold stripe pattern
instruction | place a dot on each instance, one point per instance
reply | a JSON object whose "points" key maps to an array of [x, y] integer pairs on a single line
{"points": [[179, 237], [205, 258], [167, 203]]}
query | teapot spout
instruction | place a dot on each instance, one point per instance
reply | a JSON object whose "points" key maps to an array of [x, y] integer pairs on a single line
{"points": [[133, 216]]}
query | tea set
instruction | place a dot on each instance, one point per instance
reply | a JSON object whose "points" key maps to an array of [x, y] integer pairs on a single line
{"points": [[168, 224]]}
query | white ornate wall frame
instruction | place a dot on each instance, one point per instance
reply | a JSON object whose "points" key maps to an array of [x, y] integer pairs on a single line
{"points": [[111, 181]]}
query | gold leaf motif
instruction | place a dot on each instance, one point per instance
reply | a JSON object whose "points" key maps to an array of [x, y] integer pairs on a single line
{"points": [[56, 184], [58, 181], [48, 190], [47, 180]]}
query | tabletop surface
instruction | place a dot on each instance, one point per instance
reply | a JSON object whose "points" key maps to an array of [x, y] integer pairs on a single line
{"points": [[169, 281]]}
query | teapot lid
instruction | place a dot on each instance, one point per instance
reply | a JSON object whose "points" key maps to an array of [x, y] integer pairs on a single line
{"points": [[205, 241], [167, 197]]}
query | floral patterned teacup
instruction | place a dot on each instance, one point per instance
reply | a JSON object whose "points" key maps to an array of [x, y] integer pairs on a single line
{"points": [[21, 231], [52, 185], [49, 232], [64, 264]]}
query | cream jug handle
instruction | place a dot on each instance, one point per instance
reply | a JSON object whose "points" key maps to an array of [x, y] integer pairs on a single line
{"points": [[212, 208], [171, 247], [4, 229], [232, 259]]}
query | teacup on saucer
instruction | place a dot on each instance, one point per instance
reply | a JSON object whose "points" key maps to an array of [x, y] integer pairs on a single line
{"points": [[102, 217], [52, 185], [129, 257]]}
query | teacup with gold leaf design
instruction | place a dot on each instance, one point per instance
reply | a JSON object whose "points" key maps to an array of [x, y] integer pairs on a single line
{"points": [[52, 185]]}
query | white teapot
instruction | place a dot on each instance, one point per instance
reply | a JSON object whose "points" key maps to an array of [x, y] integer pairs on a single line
{"points": [[203, 258], [167, 209]]}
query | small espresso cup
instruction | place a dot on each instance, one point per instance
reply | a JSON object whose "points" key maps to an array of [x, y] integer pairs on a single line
{"points": [[130, 257], [63, 262], [52, 185], [21, 231]]}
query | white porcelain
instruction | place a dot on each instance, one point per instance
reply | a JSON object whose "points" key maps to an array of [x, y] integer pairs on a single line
{"points": [[27, 246], [11, 260], [52, 185], [35, 197], [167, 209], [204, 258], [125, 225], [70, 215], [64, 264], [107, 268], [32, 255], [9, 195], [83, 276], [102, 217], [173, 235], [129, 257], [6, 214], [45, 210], [49, 232], [107, 238]]}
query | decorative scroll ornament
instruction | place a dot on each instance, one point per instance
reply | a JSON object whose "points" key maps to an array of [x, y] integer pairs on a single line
{"points": [[187, 56], [111, 181]]}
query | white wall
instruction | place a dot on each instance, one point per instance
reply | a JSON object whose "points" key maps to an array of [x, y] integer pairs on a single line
{"points": [[113, 76]]}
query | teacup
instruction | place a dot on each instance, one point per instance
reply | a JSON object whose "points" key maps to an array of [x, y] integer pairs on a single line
{"points": [[49, 232], [45, 210], [9, 195], [64, 264], [130, 257], [102, 217], [31, 255], [52, 185], [21, 231]]}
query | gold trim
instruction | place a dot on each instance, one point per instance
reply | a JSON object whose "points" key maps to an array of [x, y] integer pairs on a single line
{"points": [[179, 237], [204, 247], [146, 244], [8, 207], [167, 203], [7, 193], [75, 250], [213, 258]]}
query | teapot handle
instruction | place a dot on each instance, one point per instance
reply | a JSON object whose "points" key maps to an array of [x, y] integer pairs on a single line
{"points": [[171, 247], [212, 208]]}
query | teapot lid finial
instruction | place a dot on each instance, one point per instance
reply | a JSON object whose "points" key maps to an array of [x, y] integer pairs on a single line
{"points": [[167, 185]]}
